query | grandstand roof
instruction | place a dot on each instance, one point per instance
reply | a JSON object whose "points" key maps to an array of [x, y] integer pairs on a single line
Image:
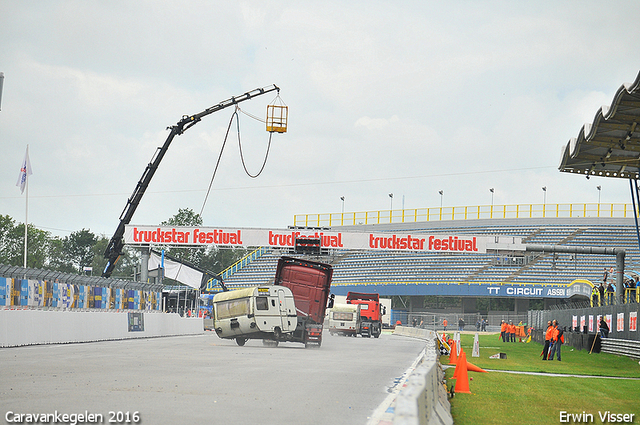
{"points": [[610, 146]]}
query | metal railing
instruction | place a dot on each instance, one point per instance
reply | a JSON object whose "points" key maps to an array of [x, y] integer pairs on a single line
{"points": [[621, 347], [478, 212]]}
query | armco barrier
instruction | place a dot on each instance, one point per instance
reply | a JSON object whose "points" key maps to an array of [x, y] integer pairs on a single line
{"points": [[31, 327], [422, 398]]}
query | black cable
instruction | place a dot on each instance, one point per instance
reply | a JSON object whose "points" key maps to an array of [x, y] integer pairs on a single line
{"points": [[242, 156], [235, 114]]}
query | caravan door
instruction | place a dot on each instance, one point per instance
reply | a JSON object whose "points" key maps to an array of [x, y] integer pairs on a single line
{"points": [[282, 306]]}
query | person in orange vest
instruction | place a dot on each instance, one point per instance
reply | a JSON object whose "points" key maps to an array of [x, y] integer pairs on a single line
{"points": [[547, 340], [445, 323], [520, 331], [503, 331], [558, 338], [512, 332]]}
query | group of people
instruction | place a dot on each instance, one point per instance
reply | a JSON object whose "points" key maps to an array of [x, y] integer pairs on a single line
{"points": [[509, 331], [605, 292], [553, 340]]}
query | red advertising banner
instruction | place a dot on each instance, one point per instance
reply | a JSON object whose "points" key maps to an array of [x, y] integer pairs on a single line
{"points": [[392, 241], [620, 322]]}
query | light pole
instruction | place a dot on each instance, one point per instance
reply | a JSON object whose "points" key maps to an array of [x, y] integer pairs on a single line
{"points": [[544, 196], [599, 191], [342, 199], [441, 192], [1, 83], [391, 196], [491, 190]]}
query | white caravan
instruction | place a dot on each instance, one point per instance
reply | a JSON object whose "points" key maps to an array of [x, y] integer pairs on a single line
{"points": [[258, 312], [344, 319]]}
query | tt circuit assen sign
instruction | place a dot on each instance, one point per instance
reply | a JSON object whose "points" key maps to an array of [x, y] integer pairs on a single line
{"points": [[278, 238], [504, 290]]}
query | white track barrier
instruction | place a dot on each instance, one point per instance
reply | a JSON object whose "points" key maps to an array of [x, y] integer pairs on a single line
{"points": [[422, 399], [32, 327]]}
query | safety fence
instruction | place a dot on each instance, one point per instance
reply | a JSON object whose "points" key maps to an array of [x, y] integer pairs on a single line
{"points": [[29, 293], [465, 213], [621, 319], [452, 321], [419, 398]]}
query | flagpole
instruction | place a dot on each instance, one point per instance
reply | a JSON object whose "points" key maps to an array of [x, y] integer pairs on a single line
{"points": [[26, 213]]}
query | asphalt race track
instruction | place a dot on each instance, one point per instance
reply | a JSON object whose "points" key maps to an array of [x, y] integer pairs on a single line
{"points": [[204, 380]]}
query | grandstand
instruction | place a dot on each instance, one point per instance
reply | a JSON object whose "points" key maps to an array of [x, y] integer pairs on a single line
{"points": [[465, 276]]}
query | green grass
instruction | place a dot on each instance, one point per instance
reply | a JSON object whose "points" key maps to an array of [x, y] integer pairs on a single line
{"points": [[506, 398]]}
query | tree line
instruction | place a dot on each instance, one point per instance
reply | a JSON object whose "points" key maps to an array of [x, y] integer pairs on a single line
{"points": [[83, 248]]}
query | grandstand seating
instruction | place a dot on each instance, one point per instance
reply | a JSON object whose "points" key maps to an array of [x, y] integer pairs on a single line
{"points": [[359, 267]]}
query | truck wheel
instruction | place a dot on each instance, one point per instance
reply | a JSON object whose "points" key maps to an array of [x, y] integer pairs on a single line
{"points": [[241, 341], [277, 332]]}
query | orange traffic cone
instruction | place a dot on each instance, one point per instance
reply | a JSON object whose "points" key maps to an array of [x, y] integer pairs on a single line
{"points": [[453, 355], [473, 368], [462, 380], [457, 369]]}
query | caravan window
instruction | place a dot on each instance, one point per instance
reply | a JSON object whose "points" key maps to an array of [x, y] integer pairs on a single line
{"points": [[232, 308], [337, 315], [262, 303]]}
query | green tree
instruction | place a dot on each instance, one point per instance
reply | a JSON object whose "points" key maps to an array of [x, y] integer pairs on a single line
{"points": [[12, 244], [78, 248], [185, 217]]}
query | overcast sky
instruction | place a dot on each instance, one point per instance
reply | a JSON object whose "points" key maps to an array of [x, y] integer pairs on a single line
{"points": [[402, 97]]}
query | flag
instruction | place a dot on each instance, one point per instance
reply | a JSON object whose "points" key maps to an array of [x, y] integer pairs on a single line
{"points": [[24, 171]]}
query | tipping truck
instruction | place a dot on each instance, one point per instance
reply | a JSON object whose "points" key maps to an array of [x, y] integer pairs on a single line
{"points": [[344, 319], [260, 312], [310, 283], [371, 312]]}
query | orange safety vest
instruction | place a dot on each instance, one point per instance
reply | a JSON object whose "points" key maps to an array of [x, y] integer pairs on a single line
{"points": [[549, 333], [503, 327]]}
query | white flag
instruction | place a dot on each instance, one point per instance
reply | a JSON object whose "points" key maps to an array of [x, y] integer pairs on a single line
{"points": [[24, 171]]}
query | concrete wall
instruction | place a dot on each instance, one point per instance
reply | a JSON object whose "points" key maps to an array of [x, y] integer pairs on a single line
{"points": [[422, 399], [31, 327]]}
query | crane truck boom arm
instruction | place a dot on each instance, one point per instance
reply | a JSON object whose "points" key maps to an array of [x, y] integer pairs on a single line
{"points": [[114, 248]]}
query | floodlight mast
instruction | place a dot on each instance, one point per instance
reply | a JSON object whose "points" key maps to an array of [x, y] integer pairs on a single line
{"points": [[114, 248]]}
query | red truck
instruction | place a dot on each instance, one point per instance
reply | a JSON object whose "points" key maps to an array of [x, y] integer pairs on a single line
{"points": [[371, 312], [310, 284]]}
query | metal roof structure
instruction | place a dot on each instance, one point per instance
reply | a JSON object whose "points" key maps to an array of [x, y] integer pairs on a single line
{"points": [[610, 146]]}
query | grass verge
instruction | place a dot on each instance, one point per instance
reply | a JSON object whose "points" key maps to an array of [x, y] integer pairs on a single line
{"points": [[507, 398]]}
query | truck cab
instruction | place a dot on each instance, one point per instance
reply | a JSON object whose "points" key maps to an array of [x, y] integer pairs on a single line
{"points": [[371, 312]]}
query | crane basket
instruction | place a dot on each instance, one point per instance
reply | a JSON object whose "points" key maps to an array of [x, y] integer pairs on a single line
{"points": [[277, 117]]}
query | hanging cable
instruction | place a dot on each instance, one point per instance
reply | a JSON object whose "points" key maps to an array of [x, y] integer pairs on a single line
{"points": [[252, 116], [242, 156], [215, 170]]}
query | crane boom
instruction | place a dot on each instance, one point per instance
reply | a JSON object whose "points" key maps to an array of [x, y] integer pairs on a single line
{"points": [[114, 248]]}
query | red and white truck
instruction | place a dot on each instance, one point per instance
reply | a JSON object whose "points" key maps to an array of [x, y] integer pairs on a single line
{"points": [[371, 312]]}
